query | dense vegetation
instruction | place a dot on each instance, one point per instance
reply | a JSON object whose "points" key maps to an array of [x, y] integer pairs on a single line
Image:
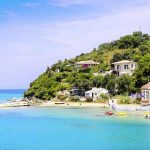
{"points": [[134, 47]]}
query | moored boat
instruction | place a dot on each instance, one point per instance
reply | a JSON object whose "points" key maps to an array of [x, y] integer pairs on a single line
{"points": [[121, 113], [147, 115], [109, 113]]}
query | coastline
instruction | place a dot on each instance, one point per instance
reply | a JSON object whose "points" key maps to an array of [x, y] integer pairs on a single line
{"points": [[73, 104], [39, 103], [64, 104], [14, 104]]}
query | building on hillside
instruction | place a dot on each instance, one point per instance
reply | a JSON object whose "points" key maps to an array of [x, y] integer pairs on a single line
{"points": [[86, 64], [123, 67], [145, 92], [77, 92], [96, 92], [57, 70]]}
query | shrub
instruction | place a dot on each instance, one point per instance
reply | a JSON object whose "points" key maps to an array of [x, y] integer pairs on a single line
{"points": [[89, 99], [138, 101], [62, 97], [74, 98], [124, 100], [104, 96]]}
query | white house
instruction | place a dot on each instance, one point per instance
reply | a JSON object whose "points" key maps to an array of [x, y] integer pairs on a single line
{"points": [[145, 92], [95, 92], [124, 67], [86, 64]]}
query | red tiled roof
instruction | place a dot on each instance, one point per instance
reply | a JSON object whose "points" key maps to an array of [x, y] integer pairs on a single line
{"points": [[146, 86]]}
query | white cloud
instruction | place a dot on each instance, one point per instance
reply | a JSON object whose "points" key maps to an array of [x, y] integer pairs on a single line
{"points": [[66, 3], [27, 49], [31, 4], [7, 13]]}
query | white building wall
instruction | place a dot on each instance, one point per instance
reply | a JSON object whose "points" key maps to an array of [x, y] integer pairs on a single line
{"points": [[146, 95], [122, 70]]}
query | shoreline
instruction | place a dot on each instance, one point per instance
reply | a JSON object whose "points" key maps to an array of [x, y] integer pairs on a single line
{"points": [[131, 107], [40, 103], [73, 104], [14, 104]]}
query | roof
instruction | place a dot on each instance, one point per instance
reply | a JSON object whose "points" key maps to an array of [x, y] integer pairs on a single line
{"points": [[97, 90], [123, 61], [91, 62], [146, 86]]}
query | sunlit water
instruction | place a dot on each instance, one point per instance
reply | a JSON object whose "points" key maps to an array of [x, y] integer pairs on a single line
{"points": [[8, 94], [71, 128]]}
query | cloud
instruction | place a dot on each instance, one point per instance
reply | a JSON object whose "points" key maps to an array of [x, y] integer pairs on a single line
{"points": [[99, 4], [66, 3], [28, 48], [31, 4], [7, 13]]}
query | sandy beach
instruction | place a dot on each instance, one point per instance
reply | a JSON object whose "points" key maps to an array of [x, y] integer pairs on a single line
{"points": [[14, 104], [122, 107], [73, 104]]}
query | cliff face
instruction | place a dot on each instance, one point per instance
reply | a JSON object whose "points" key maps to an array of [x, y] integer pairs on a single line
{"points": [[65, 74]]}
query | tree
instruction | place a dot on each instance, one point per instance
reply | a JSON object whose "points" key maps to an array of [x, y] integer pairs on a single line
{"points": [[142, 73], [110, 84], [97, 81], [123, 84]]}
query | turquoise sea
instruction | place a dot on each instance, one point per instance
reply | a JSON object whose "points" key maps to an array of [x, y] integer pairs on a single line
{"points": [[8, 94], [71, 128]]}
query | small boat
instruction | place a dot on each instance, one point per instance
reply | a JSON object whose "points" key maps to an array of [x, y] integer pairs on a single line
{"points": [[59, 103], [147, 115], [109, 113], [121, 113]]}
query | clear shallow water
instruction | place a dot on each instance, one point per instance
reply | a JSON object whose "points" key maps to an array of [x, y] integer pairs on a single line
{"points": [[71, 129], [8, 94]]}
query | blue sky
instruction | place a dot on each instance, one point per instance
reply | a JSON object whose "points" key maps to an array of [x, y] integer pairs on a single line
{"points": [[35, 34]]}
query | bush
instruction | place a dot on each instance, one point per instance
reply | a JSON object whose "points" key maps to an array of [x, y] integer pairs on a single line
{"points": [[75, 98], [124, 100], [104, 96], [138, 101], [89, 99], [62, 97]]}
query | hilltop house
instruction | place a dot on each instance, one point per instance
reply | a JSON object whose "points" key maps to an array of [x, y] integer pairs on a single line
{"points": [[96, 92], [123, 67], [86, 64], [145, 92]]}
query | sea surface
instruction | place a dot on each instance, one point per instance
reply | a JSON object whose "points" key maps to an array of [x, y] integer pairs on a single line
{"points": [[9, 94], [71, 128]]}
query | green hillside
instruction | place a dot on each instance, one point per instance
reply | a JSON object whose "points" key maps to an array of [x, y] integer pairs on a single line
{"points": [[134, 47]]}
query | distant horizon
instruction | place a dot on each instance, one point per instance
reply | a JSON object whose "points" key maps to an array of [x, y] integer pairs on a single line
{"points": [[14, 89], [35, 35]]}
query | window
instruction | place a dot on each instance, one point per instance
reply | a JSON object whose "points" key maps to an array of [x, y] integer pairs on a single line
{"points": [[87, 94], [143, 94], [118, 67], [126, 67], [131, 65], [147, 95]]}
